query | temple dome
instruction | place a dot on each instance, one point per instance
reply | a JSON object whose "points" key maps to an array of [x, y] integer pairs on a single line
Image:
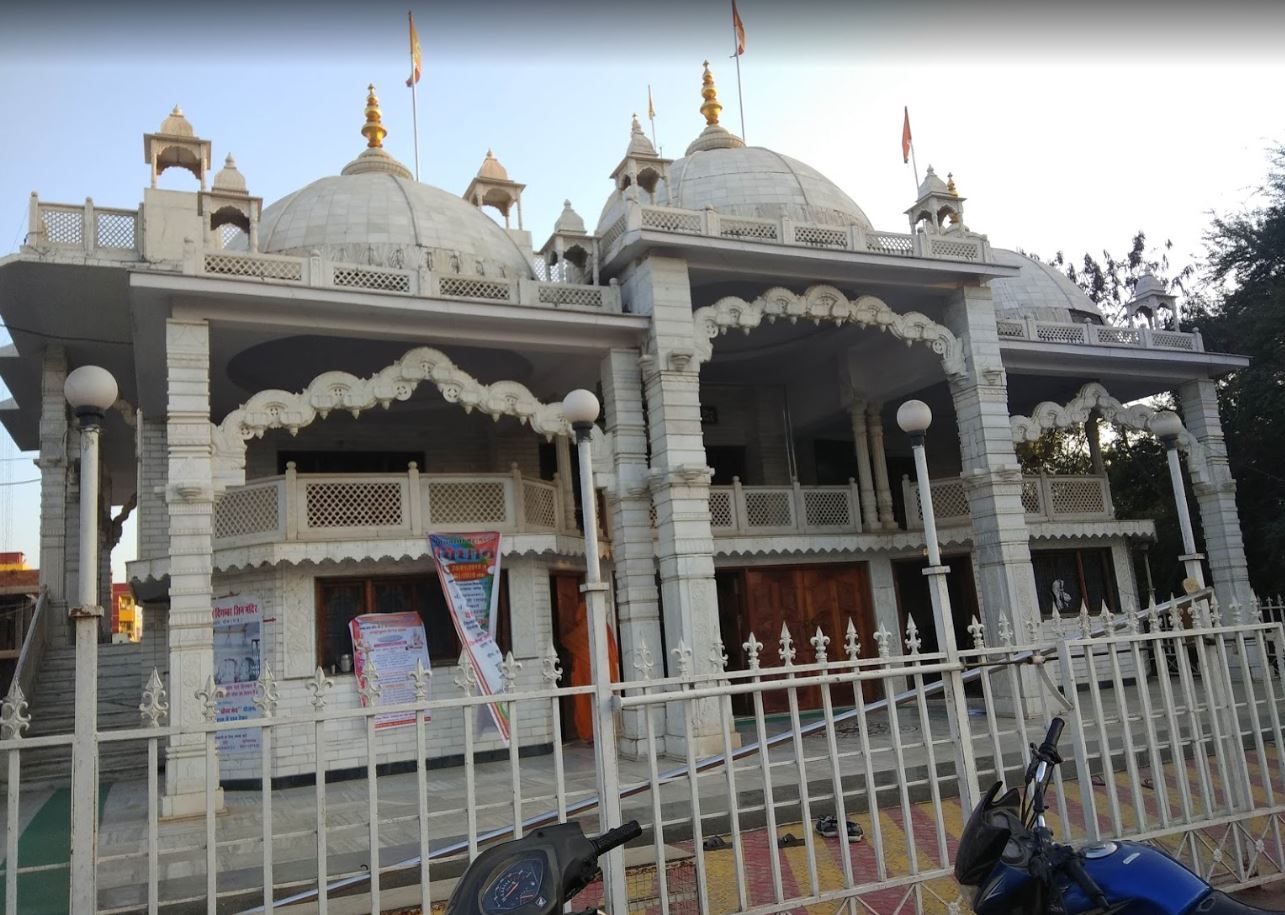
{"points": [[383, 218], [1040, 291]]}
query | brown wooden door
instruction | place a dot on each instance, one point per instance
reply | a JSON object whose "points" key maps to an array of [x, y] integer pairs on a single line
{"points": [[806, 598], [568, 612]]}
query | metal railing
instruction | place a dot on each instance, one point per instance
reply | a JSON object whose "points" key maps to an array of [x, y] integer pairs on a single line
{"points": [[297, 506], [1045, 498], [34, 642], [1174, 739], [1089, 334]]}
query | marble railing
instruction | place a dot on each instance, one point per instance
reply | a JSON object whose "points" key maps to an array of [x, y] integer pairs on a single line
{"points": [[360, 506], [955, 246], [1045, 498], [739, 510], [1090, 334]]}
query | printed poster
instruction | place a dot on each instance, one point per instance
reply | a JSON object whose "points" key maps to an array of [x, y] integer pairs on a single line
{"points": [[468, 566], [392, 642], [238, 642]]}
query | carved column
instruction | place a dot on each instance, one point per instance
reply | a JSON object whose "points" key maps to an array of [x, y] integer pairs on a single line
{"points": [[659, 286], [865, 479], [991, 474], [1216, 495], [191, 504], [54, 492], [883, 491], [566, 482], [629, 518]]}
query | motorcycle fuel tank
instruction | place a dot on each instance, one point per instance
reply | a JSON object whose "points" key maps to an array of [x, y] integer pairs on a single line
{"points": [[1149, 880]]}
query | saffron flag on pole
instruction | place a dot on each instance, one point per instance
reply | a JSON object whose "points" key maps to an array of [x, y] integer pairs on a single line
{"points": [[416, 54], [651, 106], [739, 28], [905, 138]]}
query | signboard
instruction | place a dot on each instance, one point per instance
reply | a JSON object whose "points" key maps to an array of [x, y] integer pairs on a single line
{"points": [[392, 642], [468, 566], [238, 645]]}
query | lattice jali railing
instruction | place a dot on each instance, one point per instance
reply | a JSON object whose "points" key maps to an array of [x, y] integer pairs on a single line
{"points": [[248, 510], [769, 507], [539, 505], [567, 294], [1032, 497], [354, 503], [468, 287], [820, 236], [268, 268], [1060, 333], [1124, 336], [751, 229], [950, 499], [956, 249], [229, 233], [63, 225], [671, 220], [1011, 329], [377, 280], [890, 243], [613, 231], [1077, 496], [1168, 339], [467, 502], [721, 512], [115, 229], [827, 507]]}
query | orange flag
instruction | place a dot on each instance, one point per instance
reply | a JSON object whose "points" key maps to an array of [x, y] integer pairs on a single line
{"points": [[416, 54], [739, 28], [905, 138]]}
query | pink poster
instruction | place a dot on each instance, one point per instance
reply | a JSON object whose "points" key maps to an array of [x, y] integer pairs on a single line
{"points": [[392, 642]]}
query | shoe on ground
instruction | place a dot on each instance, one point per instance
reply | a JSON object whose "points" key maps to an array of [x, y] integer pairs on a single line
{"points": [[828, 827]]}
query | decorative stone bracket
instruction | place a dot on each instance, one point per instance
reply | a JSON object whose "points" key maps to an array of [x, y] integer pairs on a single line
{"points": [[818, 304], [1049, 415], [331, 391]]}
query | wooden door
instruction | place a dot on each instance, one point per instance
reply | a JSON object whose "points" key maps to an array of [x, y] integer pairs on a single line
{"points": [[568, 611]]}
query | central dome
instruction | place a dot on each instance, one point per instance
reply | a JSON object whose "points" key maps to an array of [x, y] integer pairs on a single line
{"points": [[755, 182], [391, 221]]}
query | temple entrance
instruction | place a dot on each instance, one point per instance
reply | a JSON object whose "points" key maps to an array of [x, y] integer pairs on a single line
{"points": [[914, 601], [571, 642], [759, 599]]}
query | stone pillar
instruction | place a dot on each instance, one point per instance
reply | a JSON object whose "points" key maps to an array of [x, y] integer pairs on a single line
{"points": [[1216, 496], [629, 522], [190, 497], [566, 482], [861, 441], [1091, 429], [659, 286], [54, 517], [991, 474], [883, 491]]}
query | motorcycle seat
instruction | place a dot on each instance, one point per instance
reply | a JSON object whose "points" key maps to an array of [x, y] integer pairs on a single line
{"points": [[1217, 903]]}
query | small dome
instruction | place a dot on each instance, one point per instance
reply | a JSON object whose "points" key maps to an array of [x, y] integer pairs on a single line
{"points": [[569, 222], [1148, 285], [933, 185], [390, 220], [756, 182], [639, 145], [491, 168], [229, 179], [1040, 291], [176, 125]]}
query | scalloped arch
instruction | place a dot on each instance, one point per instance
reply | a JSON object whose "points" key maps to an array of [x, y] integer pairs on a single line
{"points": [[1049, 415], [330, 391], [824, 303]]}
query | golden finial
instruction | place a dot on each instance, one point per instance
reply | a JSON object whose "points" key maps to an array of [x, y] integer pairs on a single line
{"points": [[709, 92], [373, 130], [950, 184]]}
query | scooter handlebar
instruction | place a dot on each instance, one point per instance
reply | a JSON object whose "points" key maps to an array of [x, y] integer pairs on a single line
{"points": [[616, 837]]}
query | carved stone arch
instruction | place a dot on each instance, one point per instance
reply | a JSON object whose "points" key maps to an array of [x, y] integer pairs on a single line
{"points": [[824, 304], [1049, 415], [335, 390]]}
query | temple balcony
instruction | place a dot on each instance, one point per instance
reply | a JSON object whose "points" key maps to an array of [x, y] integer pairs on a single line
{"points": [[1045, 498]]}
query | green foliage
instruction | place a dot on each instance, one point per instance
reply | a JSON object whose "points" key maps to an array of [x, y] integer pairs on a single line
{"points": [[1110, 281]]}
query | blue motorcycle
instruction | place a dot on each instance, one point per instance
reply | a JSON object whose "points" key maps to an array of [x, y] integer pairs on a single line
{"points": [[1007, 854]]}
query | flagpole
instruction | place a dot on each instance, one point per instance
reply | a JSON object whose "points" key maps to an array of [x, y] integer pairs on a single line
{"points": [[414, 78], [651, 116], [914, 164], [414, 118], [736, 47]]}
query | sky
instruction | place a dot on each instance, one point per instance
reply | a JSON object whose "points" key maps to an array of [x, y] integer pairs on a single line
{"points": [[1067, 126]]}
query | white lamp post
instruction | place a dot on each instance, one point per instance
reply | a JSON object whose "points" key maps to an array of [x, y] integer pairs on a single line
{"points": [[580, 407], [1168, 427], [90, 390], [914, 417]]}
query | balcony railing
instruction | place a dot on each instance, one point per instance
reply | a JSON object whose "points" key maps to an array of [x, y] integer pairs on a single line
{"points": [[353, 506], [957, 247], [1090, 334], [738, 510], [1045, 498]]}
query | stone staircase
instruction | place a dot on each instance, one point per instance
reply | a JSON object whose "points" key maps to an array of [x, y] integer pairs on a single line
{"points": [[53, 710]]}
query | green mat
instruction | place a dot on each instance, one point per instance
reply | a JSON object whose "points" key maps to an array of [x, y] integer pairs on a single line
{"points": [[47, 840]]}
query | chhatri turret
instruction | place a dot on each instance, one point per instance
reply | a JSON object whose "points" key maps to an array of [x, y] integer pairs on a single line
{"points": [[939, 206], [641, 166]]}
